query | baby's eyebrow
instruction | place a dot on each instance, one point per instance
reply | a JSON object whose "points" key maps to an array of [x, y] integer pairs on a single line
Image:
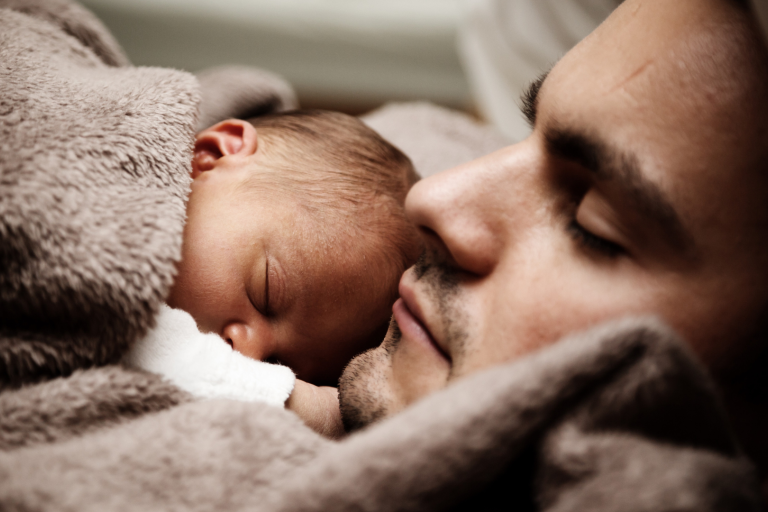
{"points": [[529, 99]]}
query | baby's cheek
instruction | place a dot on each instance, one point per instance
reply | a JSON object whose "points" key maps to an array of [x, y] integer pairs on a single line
{"points": [[375, 338]]}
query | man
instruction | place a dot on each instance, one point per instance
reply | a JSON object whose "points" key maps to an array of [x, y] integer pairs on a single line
{"points": [[641, 190]]}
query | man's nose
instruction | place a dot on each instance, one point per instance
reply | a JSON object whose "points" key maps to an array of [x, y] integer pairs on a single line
{"points": [[466, 210]]}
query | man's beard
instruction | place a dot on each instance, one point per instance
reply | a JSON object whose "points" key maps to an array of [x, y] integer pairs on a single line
{"points": [[365, 395]]}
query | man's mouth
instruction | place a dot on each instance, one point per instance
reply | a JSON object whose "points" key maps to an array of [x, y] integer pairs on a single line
{"points": [[408, 317]]}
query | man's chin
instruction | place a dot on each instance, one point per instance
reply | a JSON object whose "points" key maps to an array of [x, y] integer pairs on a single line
{"points": [[365, 395]]}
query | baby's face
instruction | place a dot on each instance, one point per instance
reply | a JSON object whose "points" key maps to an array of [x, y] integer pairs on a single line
{"points": [[254, 271]]}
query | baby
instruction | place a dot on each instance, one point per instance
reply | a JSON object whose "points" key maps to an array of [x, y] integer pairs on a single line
{"points": [[295, 242]]}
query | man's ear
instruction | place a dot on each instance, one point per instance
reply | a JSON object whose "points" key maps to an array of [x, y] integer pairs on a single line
{"points": [[232, 137]]}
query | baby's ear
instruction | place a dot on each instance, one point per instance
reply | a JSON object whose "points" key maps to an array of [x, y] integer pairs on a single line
{"points": [[230, 138]]}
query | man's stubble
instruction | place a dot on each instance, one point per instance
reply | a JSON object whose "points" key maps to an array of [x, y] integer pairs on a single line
{"points": [[365, 394]]}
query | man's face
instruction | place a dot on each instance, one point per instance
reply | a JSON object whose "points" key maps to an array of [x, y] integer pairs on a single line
{"points": [[642, 190]]}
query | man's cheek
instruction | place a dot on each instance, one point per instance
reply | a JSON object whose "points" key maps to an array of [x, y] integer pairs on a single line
{"points": [[506, 320]]}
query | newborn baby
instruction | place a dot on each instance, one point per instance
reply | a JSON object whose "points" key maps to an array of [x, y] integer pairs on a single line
{"points": [[294, 245]]}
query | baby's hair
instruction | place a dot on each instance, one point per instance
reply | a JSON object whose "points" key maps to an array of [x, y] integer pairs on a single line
{"points": [[347, 176], [351, 155]]}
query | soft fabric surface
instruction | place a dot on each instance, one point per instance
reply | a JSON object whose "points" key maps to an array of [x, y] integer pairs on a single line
{"points": [[85, 401], [204, 365], [435, 138], [94, 162], [243, 93], [619, 418], [93, 183]]}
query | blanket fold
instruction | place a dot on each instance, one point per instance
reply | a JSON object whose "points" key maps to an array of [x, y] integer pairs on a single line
{"points": [[242, 92], [94, 174], [86, 401], [72, 19], [568, 403], [534, 420]]}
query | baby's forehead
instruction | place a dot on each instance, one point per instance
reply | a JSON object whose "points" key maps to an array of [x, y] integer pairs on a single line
{"points": [[365, 238], [359, 244]]}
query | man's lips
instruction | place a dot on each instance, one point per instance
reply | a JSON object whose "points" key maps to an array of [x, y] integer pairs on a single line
{"points": [[412, 326]]}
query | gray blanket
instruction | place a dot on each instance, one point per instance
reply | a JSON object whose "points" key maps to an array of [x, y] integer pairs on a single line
{"points": [[94, 161]]}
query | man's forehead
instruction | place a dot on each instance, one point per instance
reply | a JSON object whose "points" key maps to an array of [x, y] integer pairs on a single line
{"points": [[689, 50], [678, 81]]}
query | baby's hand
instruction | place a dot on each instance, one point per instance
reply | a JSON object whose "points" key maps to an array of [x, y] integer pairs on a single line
{"points": [[318, 407]]}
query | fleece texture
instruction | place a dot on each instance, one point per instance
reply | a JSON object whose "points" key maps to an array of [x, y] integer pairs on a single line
{"points": [[204, 365], [84, 402], [242, 92], [94, 163], [617, 418], [434, 138], [73, 20], [94, 174]]}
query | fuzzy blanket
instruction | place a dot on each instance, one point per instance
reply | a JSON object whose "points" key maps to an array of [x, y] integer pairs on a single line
{"points": [[94, 162]]}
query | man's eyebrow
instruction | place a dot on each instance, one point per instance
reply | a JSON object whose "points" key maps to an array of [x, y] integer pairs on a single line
{"points": [[610, 164], [530, 99]]}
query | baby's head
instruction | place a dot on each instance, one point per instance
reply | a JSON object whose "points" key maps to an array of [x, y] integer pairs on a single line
{"points": [[296, 238]]}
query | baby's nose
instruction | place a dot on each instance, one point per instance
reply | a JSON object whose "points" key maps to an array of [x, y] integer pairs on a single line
{"points": [[245, 340]]}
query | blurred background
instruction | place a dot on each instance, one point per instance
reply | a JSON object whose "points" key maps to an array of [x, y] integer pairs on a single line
{"points": [[355, 55]]}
